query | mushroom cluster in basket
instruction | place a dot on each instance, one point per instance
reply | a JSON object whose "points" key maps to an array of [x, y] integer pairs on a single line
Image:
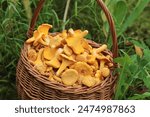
{"points": [[67, 57]]}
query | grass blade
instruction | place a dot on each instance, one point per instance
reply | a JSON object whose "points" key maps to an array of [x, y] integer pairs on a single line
{"points": [[141, 4]]}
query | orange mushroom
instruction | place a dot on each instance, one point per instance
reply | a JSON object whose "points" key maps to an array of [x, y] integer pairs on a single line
{"points": [[88, 81], [44, 28], [30, 40], [57, 78], [69, 77], [91, 59], [55, 41], [86, 45], [49, 53], [66, 61], [75, 39], [82, 57], [83, 68], [38, 64], [38, 38], [32, 54], [67, 50], [105, 72], [54, 62]]}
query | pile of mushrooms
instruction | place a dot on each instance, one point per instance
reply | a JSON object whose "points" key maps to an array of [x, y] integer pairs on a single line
{"points": [[67, 57]]}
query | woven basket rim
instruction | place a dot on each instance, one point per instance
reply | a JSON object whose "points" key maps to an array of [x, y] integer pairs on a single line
{"points": [[59, 86]]}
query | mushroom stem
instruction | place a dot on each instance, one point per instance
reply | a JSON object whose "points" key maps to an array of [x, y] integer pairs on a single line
{"points": [[102, 48], [39, 57], [54, 62], [30, 40], [65, 63], [102, 64]]}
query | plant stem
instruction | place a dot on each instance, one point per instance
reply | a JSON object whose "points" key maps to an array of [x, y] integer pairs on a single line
{"points": [[28, 10], [65, 14]]}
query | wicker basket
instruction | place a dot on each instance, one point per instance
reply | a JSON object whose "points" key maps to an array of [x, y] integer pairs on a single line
{"points": [[32, 85]]}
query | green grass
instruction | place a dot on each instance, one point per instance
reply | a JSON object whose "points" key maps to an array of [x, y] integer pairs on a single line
{"points": [[132, 24]]}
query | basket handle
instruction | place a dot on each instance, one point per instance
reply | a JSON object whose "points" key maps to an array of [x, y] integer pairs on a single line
{"points": [[103, 7]]}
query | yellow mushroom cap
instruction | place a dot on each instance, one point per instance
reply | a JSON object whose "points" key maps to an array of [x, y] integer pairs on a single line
{"points": [[91, 59], [105, 72], [86, 45], [75, 40], [38, 64], [39, 38], [82, 57], [88, 81], [98, 74], [32, 54], [49, 53], [44, 28], [39, 57], [30, 40], [69, 77], [70, 58], [83, 68], [74, 60], [97, 81], [64, 34], [55, 41], [67, 50], [66, 61], [54, 62]]}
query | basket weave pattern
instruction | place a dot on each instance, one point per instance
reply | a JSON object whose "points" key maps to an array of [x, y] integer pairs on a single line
{"points": [[32, 85]]}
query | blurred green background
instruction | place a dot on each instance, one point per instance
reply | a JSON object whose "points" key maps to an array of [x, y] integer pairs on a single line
{"points": [[132, 19]]}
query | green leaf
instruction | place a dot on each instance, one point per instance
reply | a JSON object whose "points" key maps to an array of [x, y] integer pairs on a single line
{"points": [[120, 11], [147, 82], [140, 96], [141, 4], [122, 86], [146, 54]]}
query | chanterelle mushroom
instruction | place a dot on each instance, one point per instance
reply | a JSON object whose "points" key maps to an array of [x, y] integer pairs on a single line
{"points": [[83, 68], [68, 57], [97, 51], [85, 45], [105, 72], [103, 60], [49, 53], [38, 38], [38, 64], [30, 40], [69, 77], [82, 57], [44, 28], [91, 59], [98, 74], [54, 62], [88, 81], [40, 34], [67, 50], [66, 61], [32, 54], [101, 48], [55, 41], [75, 39], [64, 34]]}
